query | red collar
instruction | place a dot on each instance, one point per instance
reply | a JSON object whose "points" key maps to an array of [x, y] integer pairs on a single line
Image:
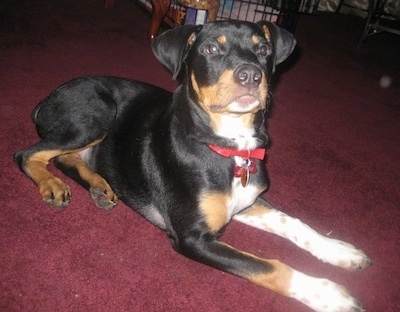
{"points": [[258, 153]]}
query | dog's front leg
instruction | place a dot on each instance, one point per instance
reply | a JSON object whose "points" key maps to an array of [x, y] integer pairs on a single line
{"points": [[317, 293], [263, 216]]}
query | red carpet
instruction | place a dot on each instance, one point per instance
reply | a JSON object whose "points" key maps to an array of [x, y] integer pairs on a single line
{"points": [[334, 163]]}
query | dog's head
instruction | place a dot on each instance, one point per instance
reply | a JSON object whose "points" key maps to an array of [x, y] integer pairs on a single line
{"points": [[171, 48], [227, 65]]}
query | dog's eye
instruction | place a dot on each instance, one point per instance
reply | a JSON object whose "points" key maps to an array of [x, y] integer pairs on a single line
{"points": [[212, 49], [264, 50]]}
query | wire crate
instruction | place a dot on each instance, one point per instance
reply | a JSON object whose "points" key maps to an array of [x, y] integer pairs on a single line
{"points": [[281, 12]]}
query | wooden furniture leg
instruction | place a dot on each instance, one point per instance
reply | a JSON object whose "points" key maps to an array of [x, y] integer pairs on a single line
{"points": [[160, 9]]}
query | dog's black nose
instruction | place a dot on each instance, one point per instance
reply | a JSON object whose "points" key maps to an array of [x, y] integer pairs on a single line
{"points": [[248, 75]]}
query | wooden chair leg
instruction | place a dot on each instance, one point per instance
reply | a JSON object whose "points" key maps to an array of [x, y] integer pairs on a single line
{"points": [[160, 9]]}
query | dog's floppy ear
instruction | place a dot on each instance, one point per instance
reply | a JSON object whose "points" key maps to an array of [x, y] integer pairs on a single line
{"points": [[172, 46], [282, 40]]}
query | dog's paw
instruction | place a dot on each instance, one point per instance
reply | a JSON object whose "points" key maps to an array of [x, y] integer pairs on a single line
{"points": [[322, 295], [341, 254], [55, 192], [104, 199]]}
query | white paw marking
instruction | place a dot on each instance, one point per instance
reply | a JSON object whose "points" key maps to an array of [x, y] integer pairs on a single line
{"points": [[328, 250], [322, 295], [339, 253]]}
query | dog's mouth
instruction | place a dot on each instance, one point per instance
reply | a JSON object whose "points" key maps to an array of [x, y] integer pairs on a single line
{"points": [[245, 104]]}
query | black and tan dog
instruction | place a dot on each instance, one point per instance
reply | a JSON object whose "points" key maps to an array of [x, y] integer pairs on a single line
{"points": [[189, 161]]}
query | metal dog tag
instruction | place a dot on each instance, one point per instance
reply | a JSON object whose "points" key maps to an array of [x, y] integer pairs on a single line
{"points": [[244, 175]]}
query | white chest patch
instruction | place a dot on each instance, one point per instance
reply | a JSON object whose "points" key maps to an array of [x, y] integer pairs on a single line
{"points": [[241, 197], [232, 128]]}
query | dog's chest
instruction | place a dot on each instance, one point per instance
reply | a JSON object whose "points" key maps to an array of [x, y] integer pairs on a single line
{"points": [[241, 196], [234, 129]]}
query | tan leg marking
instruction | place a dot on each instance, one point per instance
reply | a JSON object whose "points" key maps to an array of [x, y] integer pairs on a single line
{"points": [[279, 280], [100, 190], [277, 276], [214, 209], [54, 191], [256, 209]]}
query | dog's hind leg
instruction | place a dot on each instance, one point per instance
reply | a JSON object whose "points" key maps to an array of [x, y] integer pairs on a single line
{"points": [[33, 162], [100, 191], [75, 116]]}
